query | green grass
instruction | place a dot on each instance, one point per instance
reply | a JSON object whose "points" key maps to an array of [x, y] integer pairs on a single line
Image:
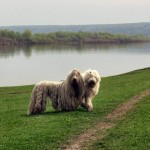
{"points": [[52, 129], [133, 133]]}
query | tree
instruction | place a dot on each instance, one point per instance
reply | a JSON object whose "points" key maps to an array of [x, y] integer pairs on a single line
{"points": [[27, 35]]}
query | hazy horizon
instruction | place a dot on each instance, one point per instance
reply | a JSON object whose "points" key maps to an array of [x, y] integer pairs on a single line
{"points": [[74, 24], [67, 12]]}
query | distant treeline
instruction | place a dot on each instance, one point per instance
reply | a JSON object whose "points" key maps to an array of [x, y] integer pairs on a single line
{"points": [[8, 37]]}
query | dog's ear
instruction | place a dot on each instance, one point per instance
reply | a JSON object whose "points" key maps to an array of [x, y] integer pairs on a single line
{"points": [[97, 75]]}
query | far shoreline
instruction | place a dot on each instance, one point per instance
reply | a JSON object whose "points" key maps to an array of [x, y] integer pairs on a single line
{"points": [[10, 42], [11, 38]]}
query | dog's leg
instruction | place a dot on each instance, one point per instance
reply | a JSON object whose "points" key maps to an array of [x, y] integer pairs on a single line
{"points": [[55, 103], [83, 104], [32, 102], [88, 104], [44, 102], [39, 99]]}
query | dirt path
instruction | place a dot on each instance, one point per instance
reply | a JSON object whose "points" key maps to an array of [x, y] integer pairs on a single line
{"points": [[90, 135]]}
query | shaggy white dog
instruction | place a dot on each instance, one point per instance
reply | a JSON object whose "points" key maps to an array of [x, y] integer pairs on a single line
{"points": [[65, 95], [91, 84]]}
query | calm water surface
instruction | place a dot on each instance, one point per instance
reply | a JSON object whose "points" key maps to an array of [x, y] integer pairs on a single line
{"points": [[28, 65]]}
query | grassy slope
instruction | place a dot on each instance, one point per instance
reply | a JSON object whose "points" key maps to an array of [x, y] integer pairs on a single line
{"points": [[132, 133], [50, 130]]}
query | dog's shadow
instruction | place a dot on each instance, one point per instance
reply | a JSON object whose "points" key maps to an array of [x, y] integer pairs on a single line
{"points": [[56, 113]]}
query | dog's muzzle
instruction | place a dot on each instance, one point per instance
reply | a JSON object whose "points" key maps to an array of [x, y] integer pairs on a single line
{"points": [[91, 83], [74, 81]]}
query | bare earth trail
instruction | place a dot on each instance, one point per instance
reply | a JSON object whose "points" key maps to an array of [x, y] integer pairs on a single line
{"points": [[100, 128]]}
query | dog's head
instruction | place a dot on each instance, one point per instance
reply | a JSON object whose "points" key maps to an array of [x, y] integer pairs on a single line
{"points": [[75, 79], [91, 78]]}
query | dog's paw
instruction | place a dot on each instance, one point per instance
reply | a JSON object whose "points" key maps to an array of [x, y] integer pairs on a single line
{"points": [[89, 108]]}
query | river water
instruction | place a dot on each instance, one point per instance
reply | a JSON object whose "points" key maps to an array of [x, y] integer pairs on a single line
{"points": [[28, 65]]}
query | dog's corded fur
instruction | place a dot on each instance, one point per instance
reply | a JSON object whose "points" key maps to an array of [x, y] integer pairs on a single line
{"points": [[39, 95], [91, 84], [72, 92], [65, 95]]}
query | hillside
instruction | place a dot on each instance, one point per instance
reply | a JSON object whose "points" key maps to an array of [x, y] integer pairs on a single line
{"points": [[128, 28]]}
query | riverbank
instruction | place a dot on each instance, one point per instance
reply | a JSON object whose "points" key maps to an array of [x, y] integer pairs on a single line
{"points": [[51, 130], [27, 38]]}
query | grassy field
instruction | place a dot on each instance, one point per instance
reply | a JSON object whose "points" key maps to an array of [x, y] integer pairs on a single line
{"points": [[52, 129], [133, 133]]}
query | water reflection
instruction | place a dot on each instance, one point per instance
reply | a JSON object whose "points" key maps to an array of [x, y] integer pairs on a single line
{"points": [[27, 50]]}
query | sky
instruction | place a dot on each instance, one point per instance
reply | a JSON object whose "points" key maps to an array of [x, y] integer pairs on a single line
{"points": [[73, 12]]}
